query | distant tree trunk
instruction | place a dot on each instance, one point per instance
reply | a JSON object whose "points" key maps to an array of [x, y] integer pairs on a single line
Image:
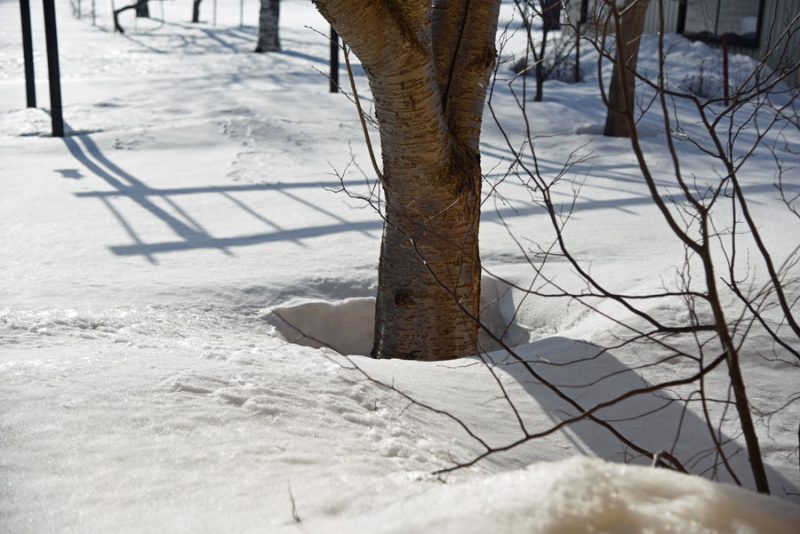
{"points": [[539, 95], [538, 58], [623, 80], [550, 12], [138, 9], [551, 15], [428, 65], [196, 10], [268, 23]]}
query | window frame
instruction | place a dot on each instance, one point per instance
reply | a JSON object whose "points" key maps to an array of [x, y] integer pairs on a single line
{"points": [[708, 37]]}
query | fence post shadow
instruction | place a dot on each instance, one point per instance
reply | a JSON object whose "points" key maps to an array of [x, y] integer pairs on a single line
{"points": [[189, 233]]}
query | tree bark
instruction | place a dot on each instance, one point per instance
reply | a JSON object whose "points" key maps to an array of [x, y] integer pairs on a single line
{"points": [[268, 23], [428, 67], [539, 95], [429, 264], [623, 79]]}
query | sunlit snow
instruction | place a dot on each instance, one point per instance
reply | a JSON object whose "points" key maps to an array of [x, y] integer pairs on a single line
{"points": [[178, 273]]}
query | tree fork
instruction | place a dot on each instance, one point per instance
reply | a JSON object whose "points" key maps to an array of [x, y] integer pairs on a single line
{"points": [[428, 65]]}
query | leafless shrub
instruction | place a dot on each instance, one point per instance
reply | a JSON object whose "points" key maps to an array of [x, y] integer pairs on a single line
{"points": [[731, 300]]}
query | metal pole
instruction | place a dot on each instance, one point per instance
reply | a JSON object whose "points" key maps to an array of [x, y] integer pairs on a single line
{"points": [[578, 53], [334, 64], [52, 68], [27, 53], [681, 27], [241, 14], [214, 15], [725, 67]]}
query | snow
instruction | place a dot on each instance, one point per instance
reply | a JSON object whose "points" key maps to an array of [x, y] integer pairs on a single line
{"points": [[158, 264], [586, 495]]}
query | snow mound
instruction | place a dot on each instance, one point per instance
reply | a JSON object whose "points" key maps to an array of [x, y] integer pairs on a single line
{"points": [[343, 325], [346, 325], [588, 495], [500, 307]]}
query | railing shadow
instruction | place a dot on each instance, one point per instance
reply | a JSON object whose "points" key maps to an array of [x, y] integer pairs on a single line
{"points": [[603, 175], [189, 232], [192, 235]]}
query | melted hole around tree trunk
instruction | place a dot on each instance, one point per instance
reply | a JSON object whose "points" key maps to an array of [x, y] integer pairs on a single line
{"points": [[347, 325]]}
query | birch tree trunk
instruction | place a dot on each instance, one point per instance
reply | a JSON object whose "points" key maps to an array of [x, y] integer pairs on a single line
{"points": [[623, 81], [268, 18], [428, 66]]}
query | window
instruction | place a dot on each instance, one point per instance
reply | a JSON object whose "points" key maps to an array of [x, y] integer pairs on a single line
{"points": [[709, 20], [584, 14]]}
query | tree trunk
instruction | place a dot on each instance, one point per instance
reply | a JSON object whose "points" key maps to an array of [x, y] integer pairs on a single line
{"points": [[539, 95], [195, 10], [429, 263], [428, 67], [551, 21], [139, 7], [142, 10], [623, 79], [268, 22]]}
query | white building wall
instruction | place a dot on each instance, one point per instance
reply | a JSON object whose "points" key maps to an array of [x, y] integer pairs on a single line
{"points": [[780, 25]]}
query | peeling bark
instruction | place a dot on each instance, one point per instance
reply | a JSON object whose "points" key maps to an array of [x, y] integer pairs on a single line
{"points": [[428, 67], [432, 215]]}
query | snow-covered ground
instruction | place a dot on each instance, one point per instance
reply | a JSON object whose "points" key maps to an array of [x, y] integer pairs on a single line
{"points": [[152, 260]]}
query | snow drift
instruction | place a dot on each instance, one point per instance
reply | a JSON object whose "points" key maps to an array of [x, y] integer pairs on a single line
{"points": [[149, 263]]}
